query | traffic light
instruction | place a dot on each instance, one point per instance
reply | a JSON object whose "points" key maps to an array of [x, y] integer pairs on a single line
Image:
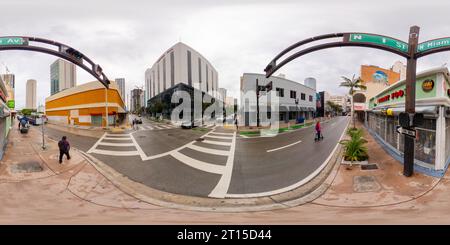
{"points": [[269, 86], [418, 120], [74, 53], [403, 119]]}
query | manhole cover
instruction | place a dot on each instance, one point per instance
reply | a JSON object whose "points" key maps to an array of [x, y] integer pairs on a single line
{"points": [[369, 167], [199, 139], [26, 167], [142, 136], [365, 184]]}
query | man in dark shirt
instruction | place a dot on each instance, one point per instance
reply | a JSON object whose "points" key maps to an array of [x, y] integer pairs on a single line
{"points": [[64, 148]]}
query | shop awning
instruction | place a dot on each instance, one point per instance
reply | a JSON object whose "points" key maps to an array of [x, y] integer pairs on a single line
{"points": [[293, 108], [426, 110]]}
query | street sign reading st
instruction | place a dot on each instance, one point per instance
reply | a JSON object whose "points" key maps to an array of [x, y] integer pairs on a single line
{"points": [[6, 41], [432, 44], [379, 40]]}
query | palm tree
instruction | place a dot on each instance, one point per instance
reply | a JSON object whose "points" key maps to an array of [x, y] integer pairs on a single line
{"points": [[354, 85]]}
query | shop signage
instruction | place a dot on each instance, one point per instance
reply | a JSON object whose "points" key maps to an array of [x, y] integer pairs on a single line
{"points": [[428, 85], [379, 40], [11, 104], [394, 95]]}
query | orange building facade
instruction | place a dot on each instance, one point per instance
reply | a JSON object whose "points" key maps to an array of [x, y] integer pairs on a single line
{"points": [[85, 105]]}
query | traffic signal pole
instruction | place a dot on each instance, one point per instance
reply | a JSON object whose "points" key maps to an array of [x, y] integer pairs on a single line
{"points": [[410, 100]]}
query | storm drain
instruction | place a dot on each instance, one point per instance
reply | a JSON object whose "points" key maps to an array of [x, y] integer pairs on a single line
{"points": [[26, 167], [365, 184], [369, 167]]}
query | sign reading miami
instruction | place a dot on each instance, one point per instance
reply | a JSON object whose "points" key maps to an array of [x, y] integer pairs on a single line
{"points": [[432, 44], [12, 41]]}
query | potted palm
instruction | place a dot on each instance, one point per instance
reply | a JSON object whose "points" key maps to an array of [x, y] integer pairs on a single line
{"points": [[355, 151]]}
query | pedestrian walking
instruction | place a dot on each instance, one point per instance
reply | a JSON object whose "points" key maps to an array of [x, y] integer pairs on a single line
{"points": [[236, 123], [64, 148]]}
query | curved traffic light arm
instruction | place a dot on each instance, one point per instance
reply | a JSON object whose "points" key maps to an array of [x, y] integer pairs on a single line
{"points": [[64, 51], [348, 41]]}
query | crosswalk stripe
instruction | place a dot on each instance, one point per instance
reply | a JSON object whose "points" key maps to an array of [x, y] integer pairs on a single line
{"points": [[116, 144], [165, 126], [208, 150], [204, 166], [158, 127], [117, 135], [116, 153], [218, 137], [229, 134], [108, 138], [216, 142], [149, 127]]}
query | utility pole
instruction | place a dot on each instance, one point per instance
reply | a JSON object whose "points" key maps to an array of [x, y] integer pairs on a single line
{"points": [[410, 100], [42, 128], [106, 108], [257, 103]]}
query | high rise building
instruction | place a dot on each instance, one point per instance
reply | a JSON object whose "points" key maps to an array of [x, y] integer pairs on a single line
{"points": [[121, 84], [62, 76], [31, 94], [136, 99], [399, 67], [222, 94], [181, 64]]}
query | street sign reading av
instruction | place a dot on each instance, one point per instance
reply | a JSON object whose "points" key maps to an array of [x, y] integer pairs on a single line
{"points": [[432, 44], [7, 41], [406, 131], [380, 40]]}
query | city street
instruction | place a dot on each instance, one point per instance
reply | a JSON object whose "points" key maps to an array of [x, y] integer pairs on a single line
{"points": [[213, 161]]}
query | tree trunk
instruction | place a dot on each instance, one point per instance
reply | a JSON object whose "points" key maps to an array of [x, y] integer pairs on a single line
{"points": [[353, 112]]}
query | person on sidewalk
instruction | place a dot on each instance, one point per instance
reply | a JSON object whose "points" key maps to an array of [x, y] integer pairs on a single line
{"points": [[236, 123], [64, 148]]}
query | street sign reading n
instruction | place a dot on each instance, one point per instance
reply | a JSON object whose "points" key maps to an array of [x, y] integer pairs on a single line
{"points": [[379, 40], [406, 131], [7, 41], [432, 44]]}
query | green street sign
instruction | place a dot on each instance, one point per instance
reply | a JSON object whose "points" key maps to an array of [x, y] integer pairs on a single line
{"points": [[6, 41], [432, 44], [380, 40]]}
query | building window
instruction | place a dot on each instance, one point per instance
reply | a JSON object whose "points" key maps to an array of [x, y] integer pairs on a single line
{"points": [[172, 70], [280, 92], [200, 73], [310, 98], [189, 68], [159, 91], [164, 73], [302, 96], [293, 94], [207, 80]]}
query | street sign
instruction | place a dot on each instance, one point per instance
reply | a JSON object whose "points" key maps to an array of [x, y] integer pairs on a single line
{"points": [[7, 41], [432, 44], [406, 131], [380, 40]]}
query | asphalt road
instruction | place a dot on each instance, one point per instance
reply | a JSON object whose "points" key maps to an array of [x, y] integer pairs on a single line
{"points": [[212, 161]]}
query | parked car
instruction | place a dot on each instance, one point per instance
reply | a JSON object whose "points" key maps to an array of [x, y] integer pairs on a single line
{"points": [[139, 120]]}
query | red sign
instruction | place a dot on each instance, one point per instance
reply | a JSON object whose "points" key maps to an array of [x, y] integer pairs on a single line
{"points": [[394, 95]]}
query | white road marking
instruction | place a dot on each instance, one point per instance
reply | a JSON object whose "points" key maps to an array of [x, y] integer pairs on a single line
{"points": [[116, 153], [222, 187], [117, 135], [279, 148], [158, 127], [218, 137], [96, 143], [149, 127], [108, 138], [204, 166], [296, 185], [208, 150], [116, 144], [218, 133], [138, 147], [216, 142]]}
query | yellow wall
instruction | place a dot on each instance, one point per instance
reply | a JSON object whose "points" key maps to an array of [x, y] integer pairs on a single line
{"points": [[85, 97]]}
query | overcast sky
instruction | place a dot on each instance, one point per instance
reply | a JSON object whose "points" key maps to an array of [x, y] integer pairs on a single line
{"points": [[236, 36]]}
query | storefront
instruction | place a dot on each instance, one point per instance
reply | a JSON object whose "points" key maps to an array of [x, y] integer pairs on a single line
{"points": [[432, 145], [5, 118]]}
